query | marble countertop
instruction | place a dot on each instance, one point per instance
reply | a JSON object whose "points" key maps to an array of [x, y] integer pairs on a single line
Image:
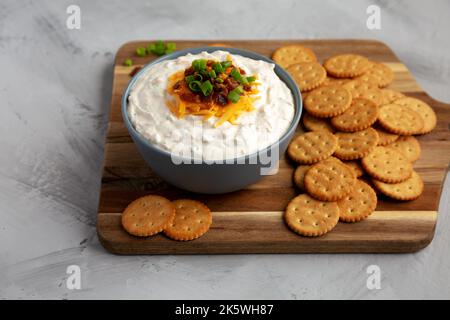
{"points": [[55, 88]]}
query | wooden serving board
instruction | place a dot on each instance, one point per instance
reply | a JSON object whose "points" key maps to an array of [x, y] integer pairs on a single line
{"points": [[250, 220]]}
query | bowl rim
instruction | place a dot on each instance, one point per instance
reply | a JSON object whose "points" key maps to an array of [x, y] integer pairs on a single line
{"points": [[279, 71]]}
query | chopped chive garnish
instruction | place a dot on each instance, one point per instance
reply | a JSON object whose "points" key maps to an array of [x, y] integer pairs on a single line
{"points": [[235, 94], [212, 74], [190, 78], [238, 77], [206, 88], [128, 62], [170, 47], [195, 85], [158, 48], [235, 74], [251, 79], [198, 77], [217, 67], [199, 64], [226, 64], [239, 89], [141, 52]]}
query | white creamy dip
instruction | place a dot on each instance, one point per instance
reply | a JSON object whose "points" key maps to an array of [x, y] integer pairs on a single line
{"points": [[195, 138]]}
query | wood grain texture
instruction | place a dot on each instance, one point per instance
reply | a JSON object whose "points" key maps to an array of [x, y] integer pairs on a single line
{"points": [[249, 220]]}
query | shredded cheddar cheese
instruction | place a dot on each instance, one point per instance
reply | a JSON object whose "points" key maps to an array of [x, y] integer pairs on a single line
{"points": [[230, 112]]}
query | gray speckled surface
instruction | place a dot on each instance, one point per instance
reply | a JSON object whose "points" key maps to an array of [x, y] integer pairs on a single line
{"points": [[54, 88]]}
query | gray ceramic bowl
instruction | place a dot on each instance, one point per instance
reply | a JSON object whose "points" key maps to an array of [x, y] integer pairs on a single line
{"points": [[216, 177]]}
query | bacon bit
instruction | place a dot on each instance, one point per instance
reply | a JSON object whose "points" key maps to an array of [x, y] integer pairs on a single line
{"points": [[134, 71]]}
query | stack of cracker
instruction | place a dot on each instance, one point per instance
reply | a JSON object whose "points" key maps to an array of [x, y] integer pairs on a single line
{"points": [[361, 136]]}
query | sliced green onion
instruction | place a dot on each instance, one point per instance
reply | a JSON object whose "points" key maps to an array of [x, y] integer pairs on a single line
{"points": [[170, 47], [195, 86], [226, 64], [158, 48], [217, 67], [204, 73], [251, 79], [212, 74], [199, 64], [239, 89], [189, 78], [235, 74], [238, 77], [219, 80], [206, 88], [141, 52], [128, 62], [235, 94], [198, 77]]}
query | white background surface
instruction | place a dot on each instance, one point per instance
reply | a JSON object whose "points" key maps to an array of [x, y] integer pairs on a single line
{"points": [[55, 87]]}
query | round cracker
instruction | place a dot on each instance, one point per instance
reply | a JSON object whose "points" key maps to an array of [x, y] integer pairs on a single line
{"points": [[378, 73], [288, 55], [409, 189], [148, 215], [387, 165], [299, 176], [328, 101], [312, 147], [358, 204], [366, 90], [307, 75], [312, 123], [384, 137], [355, 145], [399, 119], [361, 115], [346, 65], [423, 110], [408, 146], [389, 95], [310, 217], [192, 220], [329, 180]]}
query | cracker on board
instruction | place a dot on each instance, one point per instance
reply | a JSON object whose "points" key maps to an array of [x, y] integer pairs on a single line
{"points": [[423, 110], [346, 65], [407, 190], [291, 54], [328, 101], [361, 115], [312, 147], [355, 145], [387, 165], [408, 146], [192, 220], [307, 75], [400, 119], [148, 215], [358, 204], [329, 180], [378, 73], [310, 217]]}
